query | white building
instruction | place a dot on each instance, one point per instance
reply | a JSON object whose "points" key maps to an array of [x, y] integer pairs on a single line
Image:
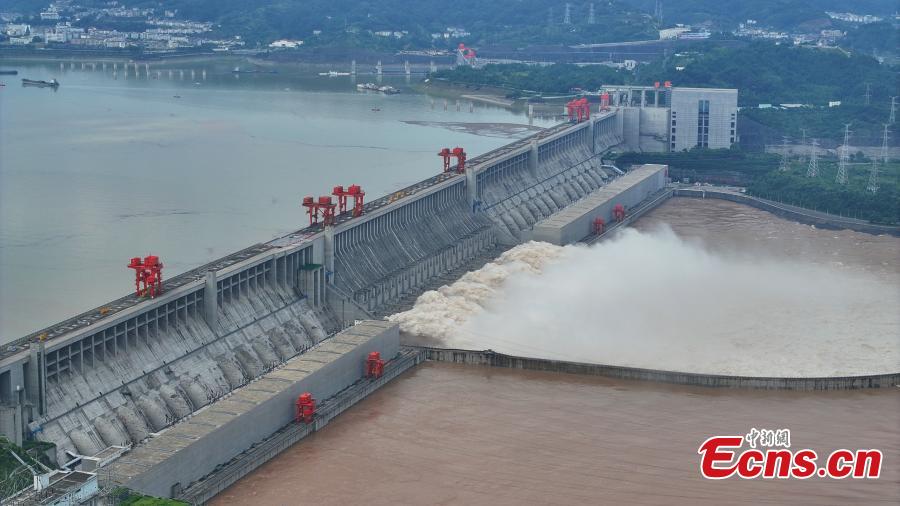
{"points": [[17, 30], [286, 44], [673, 33], [50, 14], [703, 118], [659, 119]]}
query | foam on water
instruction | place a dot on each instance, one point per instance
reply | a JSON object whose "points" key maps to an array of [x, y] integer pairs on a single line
{"points": [[653, 300]]}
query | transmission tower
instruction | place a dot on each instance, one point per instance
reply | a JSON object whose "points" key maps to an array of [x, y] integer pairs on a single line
{"points": [[550, 17], [657, 12], [868, 93], [893, 118], [841, 177], [784, 165], [884, 145], [591, 15], [813, 169], [567, 18], [873, 177]]}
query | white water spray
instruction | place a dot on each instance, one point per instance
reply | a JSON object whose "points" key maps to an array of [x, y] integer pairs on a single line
{"points": [[652, 300]]}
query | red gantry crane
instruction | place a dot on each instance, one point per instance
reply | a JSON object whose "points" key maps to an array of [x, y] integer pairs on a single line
{"points": [[458, 153], [148, 278], [327, 209], [579, 110], [355, 192]]}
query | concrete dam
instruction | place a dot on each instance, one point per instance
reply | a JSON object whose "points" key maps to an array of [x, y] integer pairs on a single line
{"points": [[122, 372]]}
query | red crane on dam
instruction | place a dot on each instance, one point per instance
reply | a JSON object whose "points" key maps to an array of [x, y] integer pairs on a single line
{"points": [[355, 192], [458, 153], [619, 212], [148, 280], [324, 207], [579, 110]]}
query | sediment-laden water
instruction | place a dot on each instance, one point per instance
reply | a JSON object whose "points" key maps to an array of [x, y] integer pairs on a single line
{"points": [[702, 286]]}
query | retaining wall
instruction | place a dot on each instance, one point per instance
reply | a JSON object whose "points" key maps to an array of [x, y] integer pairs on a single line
{"points": [[494, 359]]}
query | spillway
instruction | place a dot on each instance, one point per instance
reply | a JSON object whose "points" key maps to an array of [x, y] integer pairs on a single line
{"points": [[122, 372]]}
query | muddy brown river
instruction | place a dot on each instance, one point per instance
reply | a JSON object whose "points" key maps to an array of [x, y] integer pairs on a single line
{"points": [[449, 434]]}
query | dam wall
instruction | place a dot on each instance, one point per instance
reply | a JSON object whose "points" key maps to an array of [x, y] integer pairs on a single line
{"points": [[122, 371], [193, 448], [494, 359]]}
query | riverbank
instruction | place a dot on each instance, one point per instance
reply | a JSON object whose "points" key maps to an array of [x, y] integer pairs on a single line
{"points": [[490, 95]]}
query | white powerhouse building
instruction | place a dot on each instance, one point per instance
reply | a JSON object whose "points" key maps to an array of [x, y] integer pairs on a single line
{"points": [[658, 119]]}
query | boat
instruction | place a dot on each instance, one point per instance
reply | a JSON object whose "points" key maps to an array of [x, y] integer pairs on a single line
{"points": [[53, 83], [237, 70], [332, 73], [387, 90], [8, 72]]}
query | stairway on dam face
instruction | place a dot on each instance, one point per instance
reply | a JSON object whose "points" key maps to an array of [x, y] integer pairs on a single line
{"points": [[166, 375]]}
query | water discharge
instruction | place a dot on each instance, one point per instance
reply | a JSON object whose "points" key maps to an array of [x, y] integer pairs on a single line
{"points": [[651, 299]]}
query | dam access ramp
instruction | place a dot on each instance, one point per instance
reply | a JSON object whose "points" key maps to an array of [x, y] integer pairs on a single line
{"points": [[120, 373]]}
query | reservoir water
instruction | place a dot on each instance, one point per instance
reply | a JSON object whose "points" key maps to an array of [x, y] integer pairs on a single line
{"points": [[191, 167]]}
